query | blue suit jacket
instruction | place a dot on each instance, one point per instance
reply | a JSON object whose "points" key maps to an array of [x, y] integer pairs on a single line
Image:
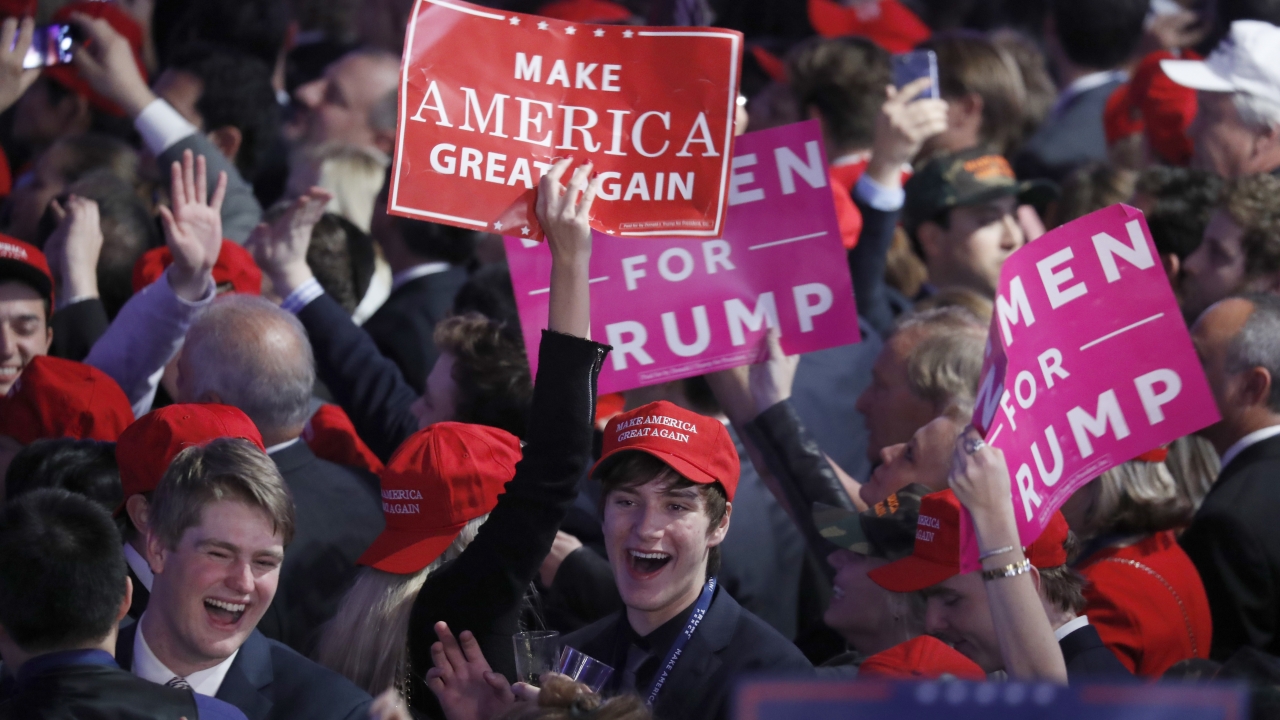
{"points": [[269, 681]]}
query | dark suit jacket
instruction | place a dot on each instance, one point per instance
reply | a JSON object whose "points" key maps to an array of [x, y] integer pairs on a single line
{"points": [[269, 681], [1068, 140], [404, 325], [1234, 542], [1088, 658], [729, 643], [77, 327], [366, 384], [339, 513]]}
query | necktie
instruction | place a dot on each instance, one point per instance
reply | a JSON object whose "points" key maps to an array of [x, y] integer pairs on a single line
{"points": [[180, 683]]}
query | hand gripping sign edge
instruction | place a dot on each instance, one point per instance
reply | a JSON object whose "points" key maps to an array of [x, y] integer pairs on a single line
{"points": [[698, 213]]}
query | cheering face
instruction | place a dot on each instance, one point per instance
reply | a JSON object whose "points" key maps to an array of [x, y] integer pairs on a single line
{"points": [[24, 332], [893, 412], [212, 589], [924, 459], [439, 402], [859, 608], [658, 538], [957, 613]]}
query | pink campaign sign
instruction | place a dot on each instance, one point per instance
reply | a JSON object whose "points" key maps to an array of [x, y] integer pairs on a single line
{"points": [[1089, 364], [674, 308]]}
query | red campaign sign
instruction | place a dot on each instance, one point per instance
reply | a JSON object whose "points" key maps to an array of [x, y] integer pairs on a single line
{"points": [[489, 100], [1088, 365]]}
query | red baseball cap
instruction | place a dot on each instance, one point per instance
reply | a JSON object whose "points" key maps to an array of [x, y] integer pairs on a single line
{"points": [[924, 657], [122, 22], [936, 555], [235, 270], [146, 447], [696, 446], [55, 398], [332, 436], [21, 261], [441, 478], [888, 23]]}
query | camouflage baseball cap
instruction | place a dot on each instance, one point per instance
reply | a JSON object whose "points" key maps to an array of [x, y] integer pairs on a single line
{"points": [[885, 530], [968, 177]]}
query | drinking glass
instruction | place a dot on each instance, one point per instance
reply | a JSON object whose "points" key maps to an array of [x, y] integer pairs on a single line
{"points": [[584, 669], [536, 653]]}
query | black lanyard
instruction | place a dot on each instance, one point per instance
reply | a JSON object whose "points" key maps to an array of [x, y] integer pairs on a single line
{"points": [[677, 647]]}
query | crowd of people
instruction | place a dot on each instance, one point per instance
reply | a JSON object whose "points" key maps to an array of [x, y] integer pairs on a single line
{"points": [[269, 452]]}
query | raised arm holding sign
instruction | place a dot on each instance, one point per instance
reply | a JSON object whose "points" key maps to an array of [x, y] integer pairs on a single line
{"points": [[489, 101], [1089, 363]]}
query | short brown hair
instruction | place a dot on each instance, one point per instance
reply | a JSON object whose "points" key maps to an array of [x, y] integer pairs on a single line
{"points": [[490, 370], [969, 63], [1061, 585], [634, 468], [564, 699], [844, 79], [223, 469], [1253, 202]]}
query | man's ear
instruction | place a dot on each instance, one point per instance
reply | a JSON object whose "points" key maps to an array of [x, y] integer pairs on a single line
{"points": [[1172, 267], [228, 140], [128, 600], [1256, 387], [930, 235], [138, 509], [720, 531], [156, 554]]}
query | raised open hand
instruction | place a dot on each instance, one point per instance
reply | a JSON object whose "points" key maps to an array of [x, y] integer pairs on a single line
{"points": [[280, 247], [564, 211], [75, 246], [463, 682], [15, 40], [193, 228]]}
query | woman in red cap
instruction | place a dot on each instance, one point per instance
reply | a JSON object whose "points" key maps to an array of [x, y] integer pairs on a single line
{"points": [[467, 529], [1144, 595]]}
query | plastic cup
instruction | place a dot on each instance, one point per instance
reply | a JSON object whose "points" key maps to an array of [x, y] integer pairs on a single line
{"points": [[584, 669], [536, 653]]}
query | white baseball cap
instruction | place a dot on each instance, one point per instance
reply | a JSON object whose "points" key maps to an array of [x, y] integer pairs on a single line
{"points": [[1247, 61]]}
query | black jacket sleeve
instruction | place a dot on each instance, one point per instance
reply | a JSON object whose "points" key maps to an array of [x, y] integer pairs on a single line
{"points": [[584, 589], [795, 459], [77, 327], [867, 264], [366, 384], [483, 589]]}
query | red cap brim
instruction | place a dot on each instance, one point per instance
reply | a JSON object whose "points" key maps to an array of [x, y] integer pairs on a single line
{"points": [[686, 469], [401, 553], [911, 574]]}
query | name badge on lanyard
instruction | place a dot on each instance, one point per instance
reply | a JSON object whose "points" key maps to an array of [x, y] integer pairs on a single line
{"points": [[677, 647]]}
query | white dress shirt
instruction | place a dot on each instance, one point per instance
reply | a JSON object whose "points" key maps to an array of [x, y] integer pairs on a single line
{"points": [[416, 272], [161, 126], [281, 446], [139, 566], [1070, 627], [1245, 442], [148, 667]]}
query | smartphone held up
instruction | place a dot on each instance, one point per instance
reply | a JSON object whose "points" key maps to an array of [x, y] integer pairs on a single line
{"points": [[909, 67], [50, 45]]}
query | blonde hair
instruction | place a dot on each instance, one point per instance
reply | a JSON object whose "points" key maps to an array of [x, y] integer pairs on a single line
{"points": [[1137, 497], [367, 639], [353, 174]]}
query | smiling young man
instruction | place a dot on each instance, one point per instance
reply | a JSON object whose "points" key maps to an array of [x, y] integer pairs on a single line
{"points": [[669, 476], [26, 303], [218, 525]]}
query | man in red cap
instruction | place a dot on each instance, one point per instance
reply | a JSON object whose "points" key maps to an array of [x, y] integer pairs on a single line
{"points": [[58, 398], [669, 477], [959, 610], [26, 300], [144, 452]]}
